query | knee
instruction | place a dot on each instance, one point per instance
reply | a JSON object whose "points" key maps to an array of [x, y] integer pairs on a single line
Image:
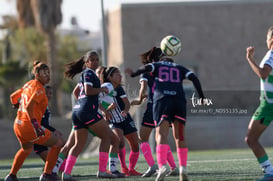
{"points": [[27, 150], [121, 144], [250, 141], [114, 140], [135, 148], [60, 143]]}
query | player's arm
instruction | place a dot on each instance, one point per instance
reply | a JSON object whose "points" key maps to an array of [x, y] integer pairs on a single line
{"points": [[142, 93], [91, 91], [76, 91], [126, 106], [261, 72], [143, 69], [30, 108], [196, 83], [15, 98]]}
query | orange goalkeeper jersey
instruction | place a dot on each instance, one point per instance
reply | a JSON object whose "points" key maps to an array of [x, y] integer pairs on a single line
{"points": [[32, 91]]}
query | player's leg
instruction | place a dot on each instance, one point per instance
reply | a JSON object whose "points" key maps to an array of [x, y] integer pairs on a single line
{"points": [[18, 160], [40, 150], [174, 171], [181, 146], [255, 130], [102, 130], [133, 141], [144, 135], [113, 156], [61, 161], [56, 144], [122, 150], [162, 132]]}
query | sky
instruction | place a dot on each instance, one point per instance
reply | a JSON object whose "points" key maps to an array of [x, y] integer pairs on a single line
{"points": [[87, 12]]}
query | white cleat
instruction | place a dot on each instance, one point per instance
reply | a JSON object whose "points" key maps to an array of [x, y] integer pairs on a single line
{"points": [[151, 170], [162, 172], [183, 174]]}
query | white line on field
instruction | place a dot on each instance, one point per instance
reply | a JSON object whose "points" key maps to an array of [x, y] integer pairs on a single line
{"points": [[226, 160]]}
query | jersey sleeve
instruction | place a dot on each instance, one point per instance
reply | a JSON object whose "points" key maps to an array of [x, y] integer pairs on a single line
{"points": [[121, 93], [186, 72], [87, 78], [269, 58], [143, 77]]}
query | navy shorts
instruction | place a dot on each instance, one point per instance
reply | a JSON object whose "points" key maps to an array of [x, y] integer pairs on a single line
{"points": [[128, 125], [147, 119], [169, 108], [84, 119], [39, 148]]}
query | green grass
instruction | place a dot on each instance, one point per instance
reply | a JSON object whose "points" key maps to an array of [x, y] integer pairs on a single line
{"points": [[235, 164]]}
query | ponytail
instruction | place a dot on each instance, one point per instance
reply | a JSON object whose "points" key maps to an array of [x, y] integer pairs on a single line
{"points": [[73, 68]]}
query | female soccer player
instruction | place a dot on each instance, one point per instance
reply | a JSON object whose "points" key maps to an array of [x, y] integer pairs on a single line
{"points": [[85, 114], [147, 125], [122, 123], [169, 107], [41, 150], [27, 125], [264, 114]]}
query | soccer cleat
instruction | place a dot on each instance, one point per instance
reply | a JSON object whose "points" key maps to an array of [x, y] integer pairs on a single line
{"points": [[266, 177], [66, 177], [125, 171], [183, 175], [106, 175], [173, 172], [133, 172], [11, 177], [118, 174], [47, 177], [162, 172], [151, 170]]}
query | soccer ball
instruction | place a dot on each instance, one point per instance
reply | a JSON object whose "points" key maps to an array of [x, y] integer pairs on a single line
{"points": [[107, 99], [109, 86], [170, 45]]}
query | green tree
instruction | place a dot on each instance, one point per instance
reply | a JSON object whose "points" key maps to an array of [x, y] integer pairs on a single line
{"points": [[45, 15], [11, 73]]}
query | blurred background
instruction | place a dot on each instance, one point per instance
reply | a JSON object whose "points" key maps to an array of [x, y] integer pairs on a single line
{"points": [[214, 35]]}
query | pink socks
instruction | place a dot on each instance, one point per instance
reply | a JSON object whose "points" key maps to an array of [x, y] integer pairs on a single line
{"points": [[147, 153], [70, 162], [170, 158], [133, 157], [103, 159], [122, 156], [182, 154], [161, 154]]}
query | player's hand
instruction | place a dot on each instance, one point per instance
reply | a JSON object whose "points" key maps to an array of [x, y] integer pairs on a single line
{"points": [[104, 89], [250, 52], [135, 102], [15, 106], [112, 106], [107, 116], [124, 114], [128, 71], [38, 129]]}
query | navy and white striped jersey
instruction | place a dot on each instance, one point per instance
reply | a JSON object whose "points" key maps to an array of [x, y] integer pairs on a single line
{"points": [[116, 116]]}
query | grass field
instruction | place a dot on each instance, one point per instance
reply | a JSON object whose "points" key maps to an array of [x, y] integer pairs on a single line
{"points": [[236, 164]]}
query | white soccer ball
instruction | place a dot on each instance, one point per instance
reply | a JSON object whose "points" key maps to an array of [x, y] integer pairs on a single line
{"points": [[170, 45], [109, 86], [107, 99]]}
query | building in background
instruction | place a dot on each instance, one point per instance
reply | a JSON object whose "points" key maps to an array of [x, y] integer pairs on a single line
{"points": [[214, 37]]}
